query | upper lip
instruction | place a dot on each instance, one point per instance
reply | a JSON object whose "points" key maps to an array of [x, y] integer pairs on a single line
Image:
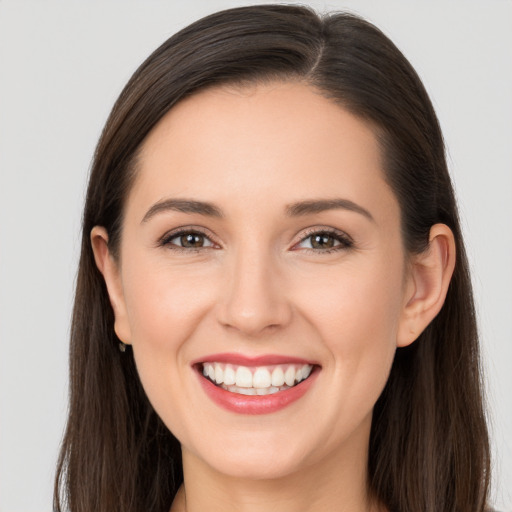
{"points": [[263, 360]]}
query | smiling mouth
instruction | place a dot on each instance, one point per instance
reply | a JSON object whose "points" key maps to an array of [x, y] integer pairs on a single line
{"points": [[255, 380]]}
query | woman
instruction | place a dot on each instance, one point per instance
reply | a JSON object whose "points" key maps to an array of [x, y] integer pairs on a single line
{"points": [[273, 303]]}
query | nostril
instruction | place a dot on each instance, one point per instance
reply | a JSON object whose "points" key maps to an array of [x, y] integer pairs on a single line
{"points": [[254, 303]]}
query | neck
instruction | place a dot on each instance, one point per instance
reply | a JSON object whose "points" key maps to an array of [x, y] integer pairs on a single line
{"points": [[338, 484]]}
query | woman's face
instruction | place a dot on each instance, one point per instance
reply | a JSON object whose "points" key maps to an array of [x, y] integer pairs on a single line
{"points": [[261, 239]]}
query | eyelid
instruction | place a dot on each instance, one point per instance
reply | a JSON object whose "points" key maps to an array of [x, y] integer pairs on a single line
{"points": [[346, 241], [164, 240]]}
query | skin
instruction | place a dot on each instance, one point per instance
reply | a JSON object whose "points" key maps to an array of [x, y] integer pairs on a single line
{"points": [[258, 286]]}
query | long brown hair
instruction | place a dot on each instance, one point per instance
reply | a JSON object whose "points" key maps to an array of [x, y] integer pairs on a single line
{"points": [[428, 444]]}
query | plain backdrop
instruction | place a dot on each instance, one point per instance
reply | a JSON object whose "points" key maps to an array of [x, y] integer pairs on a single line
{"points": [[62, 64]]}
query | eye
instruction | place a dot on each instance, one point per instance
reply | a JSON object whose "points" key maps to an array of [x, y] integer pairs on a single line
{"points": [[187, 239], [325, 241]]}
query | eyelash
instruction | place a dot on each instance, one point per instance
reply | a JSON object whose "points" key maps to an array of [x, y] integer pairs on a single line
{"points": [[345, 242], [165, 241]]}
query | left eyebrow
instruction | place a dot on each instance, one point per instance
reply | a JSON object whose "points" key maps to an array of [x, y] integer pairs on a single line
{"points": [[322, 205]]}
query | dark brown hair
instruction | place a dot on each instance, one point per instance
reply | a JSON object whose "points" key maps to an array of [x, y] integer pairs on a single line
{"points": [[428, 445]]}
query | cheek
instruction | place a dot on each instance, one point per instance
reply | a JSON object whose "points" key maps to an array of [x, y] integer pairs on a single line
{"points": [[357, 312], [163, 305], [357, 305], [164, 309]]}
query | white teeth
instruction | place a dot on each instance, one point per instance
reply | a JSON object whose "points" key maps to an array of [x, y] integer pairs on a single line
{"points": [[243, 377], [229, 375], [246, 391], [289, 376], [277, 376], [254, 391], [260, 380], [219, 374]]}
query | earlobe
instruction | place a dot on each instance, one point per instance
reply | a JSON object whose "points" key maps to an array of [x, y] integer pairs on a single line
{"points": [[111, 273], [428, 282]]}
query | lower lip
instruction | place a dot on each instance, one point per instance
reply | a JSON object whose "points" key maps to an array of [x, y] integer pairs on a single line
{"points": [[256, 404]]}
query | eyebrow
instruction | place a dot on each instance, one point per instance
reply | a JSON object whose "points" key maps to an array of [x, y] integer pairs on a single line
{"points": [[184, 206], [321, 205], [298, 209]]}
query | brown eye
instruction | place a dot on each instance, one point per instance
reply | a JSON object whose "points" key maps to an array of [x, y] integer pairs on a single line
{"points": [[322, 241], [325, 241], [192, 240], [187, 240]]}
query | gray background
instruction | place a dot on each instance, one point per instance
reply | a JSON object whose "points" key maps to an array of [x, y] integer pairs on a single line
{"points": [[62, 64]]}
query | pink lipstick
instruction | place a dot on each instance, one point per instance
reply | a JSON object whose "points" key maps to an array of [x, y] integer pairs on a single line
{"points": [[255, 385]]}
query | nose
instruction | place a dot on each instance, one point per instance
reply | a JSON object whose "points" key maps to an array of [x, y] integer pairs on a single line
{"points": [[254, 299]]}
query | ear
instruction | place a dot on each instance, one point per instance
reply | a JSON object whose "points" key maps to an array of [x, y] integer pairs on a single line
{"points": [[110, 270], [427, 284]]}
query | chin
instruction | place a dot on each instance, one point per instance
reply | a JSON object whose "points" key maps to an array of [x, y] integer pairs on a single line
{"points": [[254, 460], [258, 467]]}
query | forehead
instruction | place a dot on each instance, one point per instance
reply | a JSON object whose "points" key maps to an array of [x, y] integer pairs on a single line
{"points": [[282, 140]]}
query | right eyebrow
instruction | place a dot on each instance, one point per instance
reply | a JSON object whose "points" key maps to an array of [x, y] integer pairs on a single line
{"points": [[184, 206]]}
